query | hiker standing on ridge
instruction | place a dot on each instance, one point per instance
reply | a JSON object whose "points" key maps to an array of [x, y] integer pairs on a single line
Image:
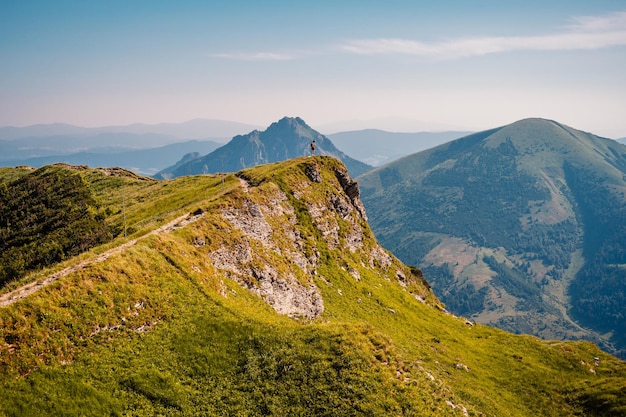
{"points": [[313, 148]]}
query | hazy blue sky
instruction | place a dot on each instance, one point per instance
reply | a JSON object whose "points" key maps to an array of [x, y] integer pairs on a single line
{"points": [[396, 65]]}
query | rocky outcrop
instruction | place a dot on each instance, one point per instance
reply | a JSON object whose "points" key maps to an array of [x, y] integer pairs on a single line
{"points": [[233, 258], [379, 258], [273, 225], [312, 171], [274, 253], [282, 291], [351, 188], [250, 220], [286, 295]]}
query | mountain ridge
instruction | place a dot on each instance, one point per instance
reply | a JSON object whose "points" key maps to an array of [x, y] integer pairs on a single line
{"points": [[191, 129], [270, 296], [512, 204]]}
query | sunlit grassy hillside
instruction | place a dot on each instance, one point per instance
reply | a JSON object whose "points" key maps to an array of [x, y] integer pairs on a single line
{"points": [[267, 296]]}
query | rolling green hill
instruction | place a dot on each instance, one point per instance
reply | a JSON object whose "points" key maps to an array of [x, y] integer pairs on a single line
{"points": [[521, 227], [264, 293]]}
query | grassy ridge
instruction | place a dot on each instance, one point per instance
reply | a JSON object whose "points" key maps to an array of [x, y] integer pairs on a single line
{"points": [[158, 330], [45, 217]]}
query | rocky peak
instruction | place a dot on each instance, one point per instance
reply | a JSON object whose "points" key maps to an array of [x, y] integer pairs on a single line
{"points": [[289, 121], [265, 224], [287, 138]]}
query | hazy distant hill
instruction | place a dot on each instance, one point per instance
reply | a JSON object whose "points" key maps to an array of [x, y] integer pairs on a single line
{"points": [[522, 227], [142, 161], [142, 148], [19, 143], [193, 129], [258, 293], [376, 147], [288, 138], [42, 146]]}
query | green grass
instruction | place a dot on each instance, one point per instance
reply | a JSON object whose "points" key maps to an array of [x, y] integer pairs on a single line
{"points": [[157, 330]]}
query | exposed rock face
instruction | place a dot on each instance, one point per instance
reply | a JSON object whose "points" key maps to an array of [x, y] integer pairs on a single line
{"points": [[233, 258], [326, 223], [378, 255], [273, 225], [274, 252], [351, 189], [313, 172], [325, 218], [342, 206], [250, 220], [287, 295], [282, 291]]}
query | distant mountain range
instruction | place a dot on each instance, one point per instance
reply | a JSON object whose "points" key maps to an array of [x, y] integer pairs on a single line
{"points": [[377, 147], [148, 149], [144, 149], [288, 138], [522, 227], [193, 129], [141, 161]]}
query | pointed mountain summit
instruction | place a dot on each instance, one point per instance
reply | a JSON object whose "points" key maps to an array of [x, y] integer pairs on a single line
{"points": [[288, 138], [521, 227]]}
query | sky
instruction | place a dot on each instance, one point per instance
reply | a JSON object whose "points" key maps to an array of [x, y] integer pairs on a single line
{"points": [[338, 64]]}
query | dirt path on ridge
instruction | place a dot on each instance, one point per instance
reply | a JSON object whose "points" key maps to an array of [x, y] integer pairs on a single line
{"points": [[32, 287]]}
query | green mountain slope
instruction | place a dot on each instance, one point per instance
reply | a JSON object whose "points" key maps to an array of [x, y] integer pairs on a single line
{"points": [[290, 137], [266, 293], [522, 227]]}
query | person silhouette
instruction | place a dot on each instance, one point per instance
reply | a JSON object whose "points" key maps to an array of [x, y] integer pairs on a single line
{"points": [[313, 148]]}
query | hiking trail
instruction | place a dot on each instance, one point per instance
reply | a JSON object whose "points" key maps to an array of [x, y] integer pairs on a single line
{"points": [[32, 287]]}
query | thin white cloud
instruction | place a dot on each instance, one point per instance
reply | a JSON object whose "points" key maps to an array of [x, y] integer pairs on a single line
{"points": [[584, 33], [587, 32], [611, 22], [256, 56]]}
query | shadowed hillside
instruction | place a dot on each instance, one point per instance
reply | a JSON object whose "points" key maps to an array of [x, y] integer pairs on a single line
{"points": [[522, 227]]}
